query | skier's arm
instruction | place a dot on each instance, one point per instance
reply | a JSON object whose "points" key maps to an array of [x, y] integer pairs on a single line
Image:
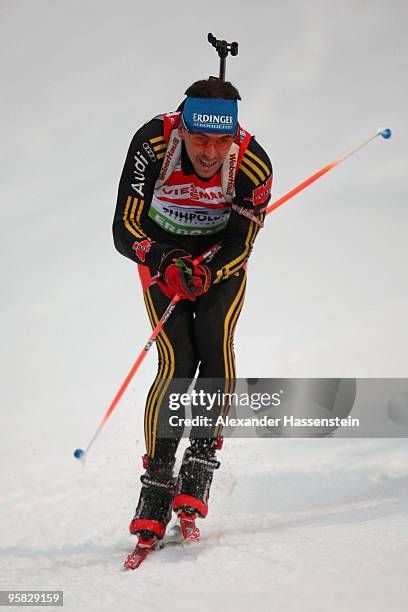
{"points": [[252, 194], [132, 228]]}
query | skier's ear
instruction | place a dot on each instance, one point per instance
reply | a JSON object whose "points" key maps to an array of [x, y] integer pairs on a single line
{"points": [[181, 131]]}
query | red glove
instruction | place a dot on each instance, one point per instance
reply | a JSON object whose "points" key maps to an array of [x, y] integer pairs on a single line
{"points": [[200, 282], [184, 278]]}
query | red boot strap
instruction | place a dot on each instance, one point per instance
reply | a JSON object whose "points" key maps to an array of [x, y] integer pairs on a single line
{"points": [[187, 501], [156, 527]]}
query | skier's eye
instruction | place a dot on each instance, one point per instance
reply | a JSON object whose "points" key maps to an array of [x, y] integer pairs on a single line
{"points": [[225, 141], [199, 140]]}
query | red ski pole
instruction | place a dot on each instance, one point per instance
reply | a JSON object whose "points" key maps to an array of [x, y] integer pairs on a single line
{"points": [[82, 454], [385, 133]]}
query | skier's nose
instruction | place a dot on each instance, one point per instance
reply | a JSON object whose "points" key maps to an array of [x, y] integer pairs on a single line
{"points": [[211, 150]]}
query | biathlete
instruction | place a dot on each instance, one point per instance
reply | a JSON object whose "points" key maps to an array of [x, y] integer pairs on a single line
{"points": [[192, 178]]}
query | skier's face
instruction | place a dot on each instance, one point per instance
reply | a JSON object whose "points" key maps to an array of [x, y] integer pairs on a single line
{"points": [[206, 151]]}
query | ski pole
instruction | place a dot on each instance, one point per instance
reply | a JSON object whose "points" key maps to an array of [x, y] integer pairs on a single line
{"points": [[384, 132], [81, 454]]}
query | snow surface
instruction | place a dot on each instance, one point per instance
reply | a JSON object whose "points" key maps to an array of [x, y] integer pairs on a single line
{"points": [[294, 524]]}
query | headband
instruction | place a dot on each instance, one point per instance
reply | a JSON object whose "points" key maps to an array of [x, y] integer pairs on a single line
{"points": [[210, 115]]}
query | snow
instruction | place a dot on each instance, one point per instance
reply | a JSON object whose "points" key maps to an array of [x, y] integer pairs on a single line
{"points": [[294, 524]]}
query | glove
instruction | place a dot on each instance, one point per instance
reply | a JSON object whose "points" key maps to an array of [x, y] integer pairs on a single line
{"points": [[183, 278], [167, 259], [200, 281]]}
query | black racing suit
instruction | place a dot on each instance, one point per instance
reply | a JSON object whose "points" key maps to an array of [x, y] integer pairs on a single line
{"points": [[198, 334]]}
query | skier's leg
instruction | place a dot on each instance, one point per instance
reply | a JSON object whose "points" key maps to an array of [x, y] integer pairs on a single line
{"points": [[217, 314], [153, 510], [177, 366]]}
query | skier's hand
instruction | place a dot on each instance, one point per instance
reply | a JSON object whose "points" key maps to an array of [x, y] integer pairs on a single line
{"points": [[200, 280], [185, 279]]}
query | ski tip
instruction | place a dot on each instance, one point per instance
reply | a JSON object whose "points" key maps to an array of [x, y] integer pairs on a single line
{"points": [[142, 549], [133, 561], [384, 132]]}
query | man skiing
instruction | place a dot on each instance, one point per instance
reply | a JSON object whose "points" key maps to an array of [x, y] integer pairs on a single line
{"points": [[192, 179]]}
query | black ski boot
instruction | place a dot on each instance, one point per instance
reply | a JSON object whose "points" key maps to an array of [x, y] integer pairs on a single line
{"points": [[153, 511], [194, 482]]}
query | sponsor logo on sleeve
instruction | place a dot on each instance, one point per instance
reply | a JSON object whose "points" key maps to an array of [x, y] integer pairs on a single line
{"points": [[261, 193], [253, 216], [141, 248], [149, 151], [139, 170]]}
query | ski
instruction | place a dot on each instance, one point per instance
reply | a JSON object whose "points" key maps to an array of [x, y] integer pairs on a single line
{"points": [[142, 549], [186, 531]]}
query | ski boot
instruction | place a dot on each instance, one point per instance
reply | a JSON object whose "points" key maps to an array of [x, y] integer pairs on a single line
{"points": [[193, 484], [153, 511]]}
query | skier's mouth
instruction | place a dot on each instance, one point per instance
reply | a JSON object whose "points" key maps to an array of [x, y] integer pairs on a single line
{"points": [[206, 163]]}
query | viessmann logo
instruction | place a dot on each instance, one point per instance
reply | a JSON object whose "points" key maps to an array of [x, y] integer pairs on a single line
{"points": [[192, 192]]}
